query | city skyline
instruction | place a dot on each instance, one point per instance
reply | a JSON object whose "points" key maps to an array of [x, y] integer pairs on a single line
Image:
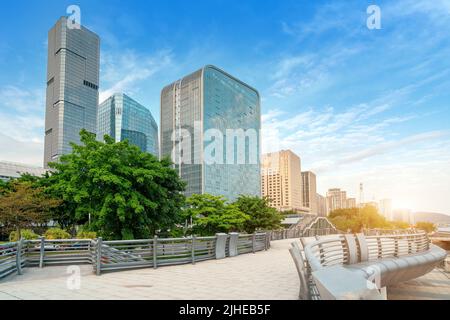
{"points": [[349, 118]]}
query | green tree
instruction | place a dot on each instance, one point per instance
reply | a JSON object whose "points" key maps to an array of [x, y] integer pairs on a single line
{"points": [[123, 192], [262, 216], [399, 225], [211, 214], [4, 187], [426, 226], [357, 219], [24, 206]]}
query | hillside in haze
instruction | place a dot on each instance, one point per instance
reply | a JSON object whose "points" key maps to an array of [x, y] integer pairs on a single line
{"points": [[431, 217]]}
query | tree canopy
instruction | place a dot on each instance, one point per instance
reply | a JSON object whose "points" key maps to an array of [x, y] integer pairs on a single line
{"points": [[24, 206], [126, 193], [356, 219], [426, 226], [211, 214], [262, 216]]}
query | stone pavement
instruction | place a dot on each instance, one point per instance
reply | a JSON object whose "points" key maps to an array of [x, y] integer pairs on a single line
{"points": [[264, 275], [432, 286]]}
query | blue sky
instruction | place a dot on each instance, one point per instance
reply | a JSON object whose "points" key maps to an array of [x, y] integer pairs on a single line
{"points": [[357, 105]]}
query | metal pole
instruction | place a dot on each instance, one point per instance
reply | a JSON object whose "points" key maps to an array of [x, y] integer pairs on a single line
{"points": [[42, 252], [99, 255], [155, 248], [253, 242], [19, 256], [193, 250]]}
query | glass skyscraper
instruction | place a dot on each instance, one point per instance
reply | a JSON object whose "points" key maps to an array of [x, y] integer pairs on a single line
{"points": [[210, 101], [122, 118], [72, 87]]}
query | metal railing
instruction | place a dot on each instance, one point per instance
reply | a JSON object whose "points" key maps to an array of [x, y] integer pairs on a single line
{"points": [[350, 249], [61, 251], [12, 258], [125, 254], [310, 226]]}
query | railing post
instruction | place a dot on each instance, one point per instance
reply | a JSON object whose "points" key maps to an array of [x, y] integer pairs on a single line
{"points": [[19, 256], [254, 242], [266, 242], [233, 244], [221, 242], [396, 253], [99, 256], [193, 249], [410, 239], [380, 248], [155, 251], [42, 252]]}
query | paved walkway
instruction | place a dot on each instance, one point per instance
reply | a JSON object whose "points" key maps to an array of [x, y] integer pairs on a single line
{"points": [[264, 275]]}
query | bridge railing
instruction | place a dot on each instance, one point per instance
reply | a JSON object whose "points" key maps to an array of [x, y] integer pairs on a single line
{"points": [[359, 266], [126, 254], [350, 249], [311, 226], [11, 258]]}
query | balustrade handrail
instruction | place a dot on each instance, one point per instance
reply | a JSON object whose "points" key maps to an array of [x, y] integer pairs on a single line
{"points": [[125, 254], [335, 249]]}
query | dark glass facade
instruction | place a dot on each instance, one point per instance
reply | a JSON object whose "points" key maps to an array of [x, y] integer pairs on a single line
{"points": [[210, 100], [122, 118]]}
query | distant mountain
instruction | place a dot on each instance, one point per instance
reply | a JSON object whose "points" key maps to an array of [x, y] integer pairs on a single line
{"points": [[431, 217]]}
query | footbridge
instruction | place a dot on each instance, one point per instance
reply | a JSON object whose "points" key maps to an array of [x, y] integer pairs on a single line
{"points": [[225, 266], [356, 266]]}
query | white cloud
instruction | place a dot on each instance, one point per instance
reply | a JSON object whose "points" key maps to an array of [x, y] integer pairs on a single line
{"points": [[15, 99], [22, 126], [123, 72], [27, 152]]}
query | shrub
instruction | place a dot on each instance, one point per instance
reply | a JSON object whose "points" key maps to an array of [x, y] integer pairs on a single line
{"points": [[56, 233], [426, 226], [26, 234], [84, 234]]}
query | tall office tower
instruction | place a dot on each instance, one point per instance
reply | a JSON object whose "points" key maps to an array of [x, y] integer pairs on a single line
{"points": [[405, 215], [281, 180], [309, 189], [351, 203], [321, 205], [336, 199], [210, 125], [72, 87], [385, 207], [122, 118]]}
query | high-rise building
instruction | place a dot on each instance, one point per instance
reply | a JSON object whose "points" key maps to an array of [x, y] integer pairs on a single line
{"points": [[405, 215], [309, 189], [351, 203], [72, 87], [336, 199], [122, 118], [210, 125], [385, 207], [281, 180], [321, 205]]}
